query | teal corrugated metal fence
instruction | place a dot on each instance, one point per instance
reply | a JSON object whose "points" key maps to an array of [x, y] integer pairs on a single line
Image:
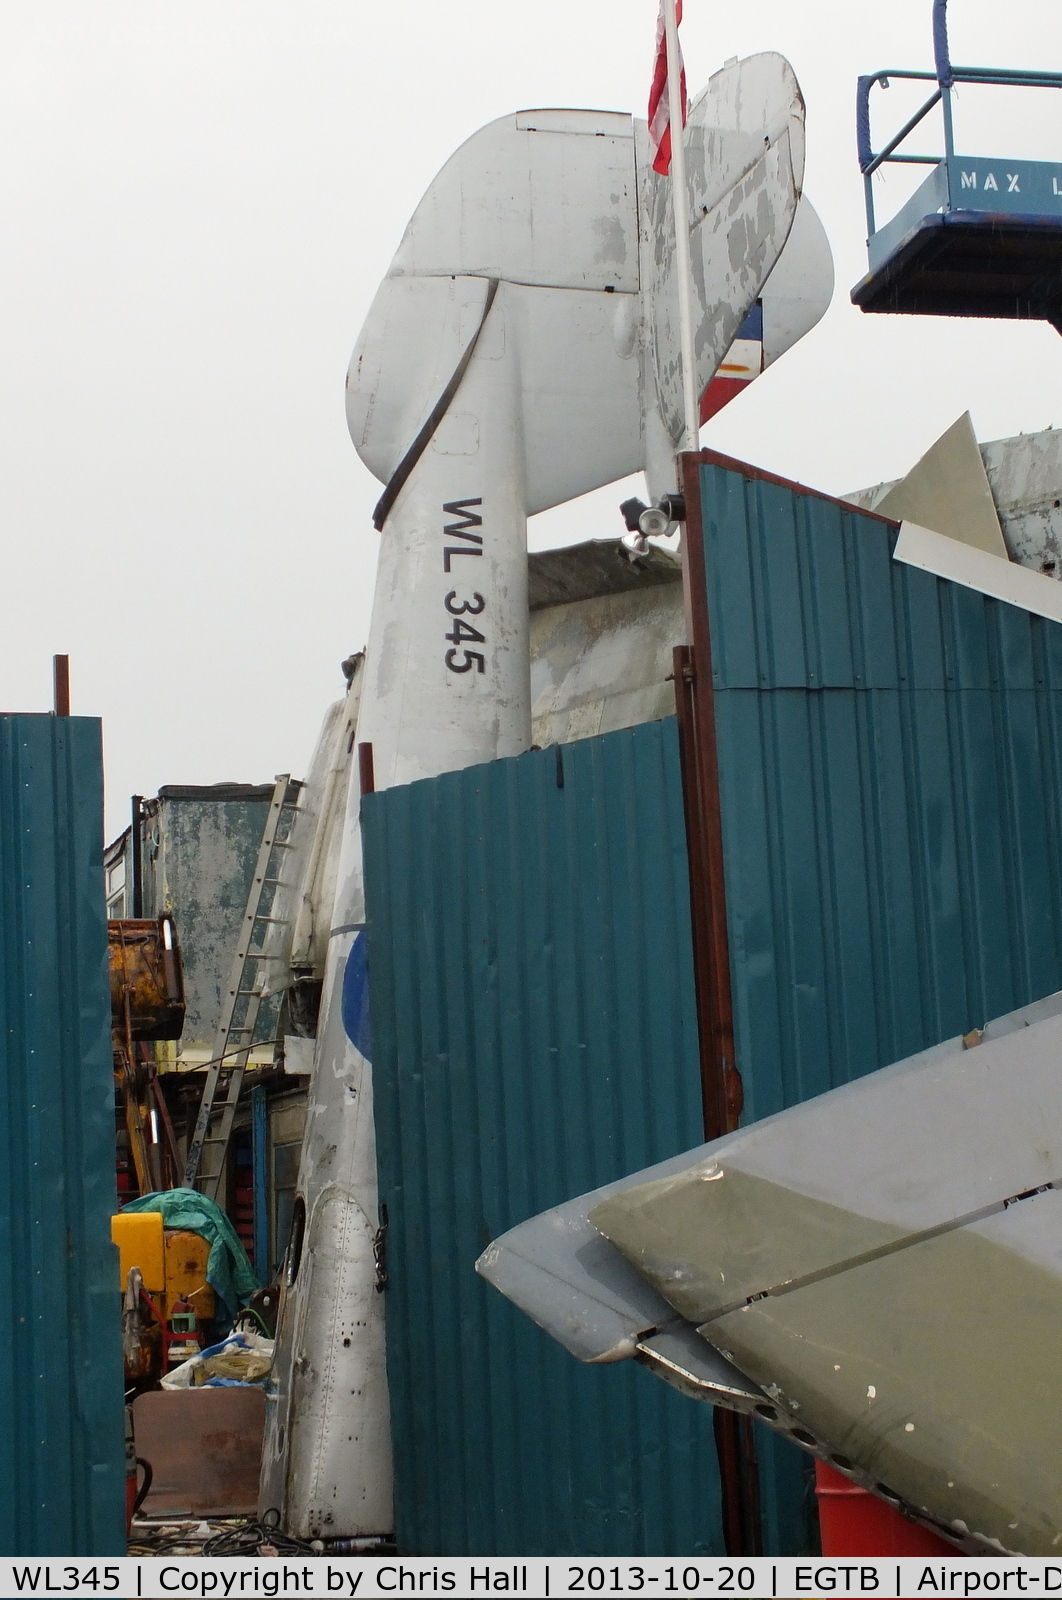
{"points": [[890, 759], [61, 1436], [534, 1036]]}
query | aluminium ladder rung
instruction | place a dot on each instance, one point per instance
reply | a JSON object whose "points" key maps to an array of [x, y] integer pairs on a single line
{"points": [[209, 1107]]}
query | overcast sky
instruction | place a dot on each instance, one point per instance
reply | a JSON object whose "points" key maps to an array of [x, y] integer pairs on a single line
{"points": [[197, 203]]}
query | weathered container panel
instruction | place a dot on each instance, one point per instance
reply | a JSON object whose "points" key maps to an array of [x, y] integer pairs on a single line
{"points": [[534, 1036], [61, 1435], [201, 852], [890, 765]]}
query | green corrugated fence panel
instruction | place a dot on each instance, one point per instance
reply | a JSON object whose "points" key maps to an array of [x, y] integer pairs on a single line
{"points": [[890, 758], [62, 1466], [534, 1035]]}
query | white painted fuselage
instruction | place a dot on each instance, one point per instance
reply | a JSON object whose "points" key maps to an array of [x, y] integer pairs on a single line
{"points": [[518, 354]]}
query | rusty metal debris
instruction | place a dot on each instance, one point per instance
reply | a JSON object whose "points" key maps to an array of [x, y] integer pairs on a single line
{"points": [[147, 1003]]}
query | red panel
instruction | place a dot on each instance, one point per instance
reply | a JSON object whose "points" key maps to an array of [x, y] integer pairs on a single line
{"points": [[854, 1522], [718, 394]]}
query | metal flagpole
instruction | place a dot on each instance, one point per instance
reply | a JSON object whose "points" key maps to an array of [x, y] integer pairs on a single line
{"points": [[681, 207]]}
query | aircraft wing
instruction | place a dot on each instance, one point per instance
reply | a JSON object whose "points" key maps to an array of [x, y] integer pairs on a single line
{"points": [[883, 1263]]}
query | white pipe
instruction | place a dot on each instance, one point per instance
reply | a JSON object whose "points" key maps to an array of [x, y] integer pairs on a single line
{"points": [[681, 206]]}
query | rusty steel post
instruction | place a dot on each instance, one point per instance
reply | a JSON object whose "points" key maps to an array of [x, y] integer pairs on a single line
{"points": [[721, 1091], [366, 771], [61, 685]]}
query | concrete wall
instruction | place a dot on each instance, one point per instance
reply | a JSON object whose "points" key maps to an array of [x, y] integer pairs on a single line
{"points": [[602, 632], [602, 664]]}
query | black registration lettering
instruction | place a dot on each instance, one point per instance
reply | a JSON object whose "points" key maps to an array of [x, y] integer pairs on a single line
{"points": [[471, 607], [464, 521]]}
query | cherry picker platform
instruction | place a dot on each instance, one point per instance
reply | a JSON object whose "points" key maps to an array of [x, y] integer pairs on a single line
{"points": [[979, 237]]}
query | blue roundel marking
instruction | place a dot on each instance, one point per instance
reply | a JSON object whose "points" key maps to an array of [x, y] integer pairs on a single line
{"points": [[356, 998]]}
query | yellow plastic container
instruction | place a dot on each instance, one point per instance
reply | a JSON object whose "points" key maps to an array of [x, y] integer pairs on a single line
{"points": [[186, 1266], [139, 1237]]}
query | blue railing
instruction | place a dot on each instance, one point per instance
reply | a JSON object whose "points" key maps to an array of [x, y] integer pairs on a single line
{"points": [[945, 78]]}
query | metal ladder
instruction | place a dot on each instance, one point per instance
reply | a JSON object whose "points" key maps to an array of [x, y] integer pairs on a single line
{"points": [[241, 1002]]}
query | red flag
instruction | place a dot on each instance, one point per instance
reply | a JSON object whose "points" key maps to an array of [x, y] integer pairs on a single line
{"points": [[659, 125]]}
